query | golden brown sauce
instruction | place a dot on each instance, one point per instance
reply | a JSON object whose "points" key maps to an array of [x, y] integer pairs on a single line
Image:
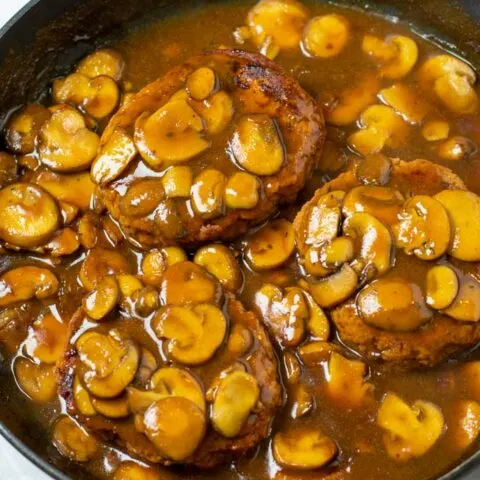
{"points": [[149, 53]]}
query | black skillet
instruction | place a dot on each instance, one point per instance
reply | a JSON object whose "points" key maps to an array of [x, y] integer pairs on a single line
{"points": [[47, 36]]}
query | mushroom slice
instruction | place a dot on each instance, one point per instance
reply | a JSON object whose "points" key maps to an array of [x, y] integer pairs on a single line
{"points": [[303, 448], [285, 314], [466, 306], [242, 191], [99, 263], [374, 170], [409, 431], [442, 287], [384, 203], [171, 135], [46, 340], [312, 262], [337, 252], [104, 61], [96, 96], [424, 228], [240, 340], [324, 218], [464, 428], [114, 157], [397, 54], [207, 193], [177, 382], [82, 399], [37, 381], [234, 399], [29, 216], [187, 283], [346, 381], [303, 402], [142, 198], [74, 188], [74, 442], [220, 262], [326, 36], [336, 288], [463, 210], [26, 283], [102, 299], [216, 111], [353, 101], [281, 20], [65, 242], [134, 471], [435, 130], [404, 101], [156, 262], [271, 246], [453, 82], [177, 181], [393, 304], [317, 323], [201, 83], [456, 148], [65, 143], [193, 334], [176, 426], [257, 145], [315, 353], [24, 126], [112, 408]]}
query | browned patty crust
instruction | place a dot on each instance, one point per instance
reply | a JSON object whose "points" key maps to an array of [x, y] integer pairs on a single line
{"points": [[438, 339], [257, 85], [214, 449]]}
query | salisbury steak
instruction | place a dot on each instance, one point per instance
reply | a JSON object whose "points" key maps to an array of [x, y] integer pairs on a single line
{"points": [[409, 332], [195, 403], [208, 150]]}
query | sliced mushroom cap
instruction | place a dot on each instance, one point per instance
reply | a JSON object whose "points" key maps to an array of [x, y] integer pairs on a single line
{"points": [[257, 145], [29, 217], [442, 286], [456, 148], [114, 157], [38, 381], [466, 306], [384, 203], [240, 340], [66, 144], [177, 181], [424, 228], [97, 96], [337, 252], [336, 288], [99, 263], [102, 299], [187, 283], [73, 442], [271, 246], [25, 283], [134, 471], [317, 323], [463, 210], [304, 448], [142, 197], [193, 334], [281, 20], [292, 368], [242, 191], [207, 193], [156, 262], [397, 54], [65, 242], [453, 82], [346, 381], [393, 304], [112, 408], [435, 130], [464, 427], [285, 314], [176, 426], [409, 431], [326, 36], [46, 340], [171, 135], [104, 61], [235, 397], [374, 170], [82, 399], [220, 262], [375, 249], [405, 102], [24, 126], [324, 218], [216, 111], [201, 83]]}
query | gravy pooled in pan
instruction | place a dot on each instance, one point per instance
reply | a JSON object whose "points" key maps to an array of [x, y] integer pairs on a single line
{"points": [[242, 243]]}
